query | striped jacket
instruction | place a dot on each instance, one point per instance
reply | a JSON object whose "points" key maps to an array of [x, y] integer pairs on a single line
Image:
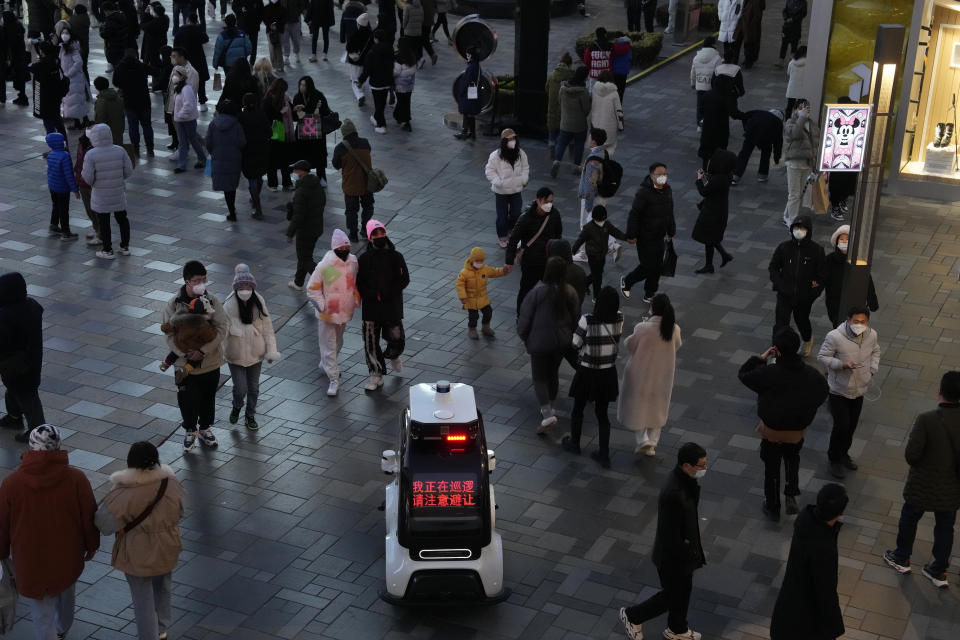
{"points": [[597, 341]]}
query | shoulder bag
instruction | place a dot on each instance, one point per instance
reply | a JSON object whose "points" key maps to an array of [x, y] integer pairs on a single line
{"points": [[520, 251], [376, 179], [146, 512]]}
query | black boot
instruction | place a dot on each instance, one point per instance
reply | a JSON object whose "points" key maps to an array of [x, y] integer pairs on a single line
{"points": [[257, 211], [725, 258]]}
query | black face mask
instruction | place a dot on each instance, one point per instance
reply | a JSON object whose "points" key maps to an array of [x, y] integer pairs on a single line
{"points": [[343, 254], [380, 242]]}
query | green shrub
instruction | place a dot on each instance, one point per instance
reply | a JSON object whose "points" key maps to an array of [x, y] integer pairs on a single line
{"points": [[709, 21], [646, 46]]}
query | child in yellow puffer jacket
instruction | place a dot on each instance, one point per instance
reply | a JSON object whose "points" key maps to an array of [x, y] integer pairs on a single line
{"points": [[472, 291]]}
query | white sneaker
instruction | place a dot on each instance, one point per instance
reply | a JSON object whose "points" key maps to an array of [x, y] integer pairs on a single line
{"points": [[312, 58], [633, 630], [373, 121], [374, 382], [549, 421], [380, 130], [296, 287], [94, 241], [397, 365], [123, 251], [334, 387], [106, 255], [689, 634]]}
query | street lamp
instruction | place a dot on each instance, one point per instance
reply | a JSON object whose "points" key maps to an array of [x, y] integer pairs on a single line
{"points": [[886, 60]]}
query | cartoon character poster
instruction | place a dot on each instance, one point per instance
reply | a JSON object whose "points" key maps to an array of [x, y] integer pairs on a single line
{"points": [[844, 137]]}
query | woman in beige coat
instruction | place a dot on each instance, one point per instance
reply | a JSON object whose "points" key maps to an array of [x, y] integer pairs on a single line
{"points": [[146, 551], [648, 375]]}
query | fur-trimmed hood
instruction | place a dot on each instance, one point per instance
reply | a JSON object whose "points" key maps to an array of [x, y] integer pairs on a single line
{"points": [[138, 477]]}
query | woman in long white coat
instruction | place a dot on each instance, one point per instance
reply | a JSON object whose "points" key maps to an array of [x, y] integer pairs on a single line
{"points": [[76, 104], [648, 375], [728, 12], [606, 112]]}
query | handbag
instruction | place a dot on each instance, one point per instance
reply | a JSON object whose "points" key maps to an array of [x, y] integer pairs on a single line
{"points": [[520, 251], [309, 128], [669, 268], [217, 82], [330, 122], [376, 179], [278, 133], [146, 512]]}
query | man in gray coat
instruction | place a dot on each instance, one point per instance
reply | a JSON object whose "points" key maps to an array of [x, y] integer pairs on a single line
{"points": [[851, 354], [105, 168], [933, 482]]}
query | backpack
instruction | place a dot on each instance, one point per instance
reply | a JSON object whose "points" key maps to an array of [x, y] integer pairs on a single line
{"points": [[610, 177]]}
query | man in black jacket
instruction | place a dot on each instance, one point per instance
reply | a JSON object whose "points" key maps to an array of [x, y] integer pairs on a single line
{"points": [[933, 453], [797, 271], [381, 278], [649, 221], [761, 130], [306, 220], [191, 37], [378, 69], [534, 229], [46, 73], [807, 606], [21, 355], [113, 30], [130, 77], [677, 551], [789, 393], [249, 16]]}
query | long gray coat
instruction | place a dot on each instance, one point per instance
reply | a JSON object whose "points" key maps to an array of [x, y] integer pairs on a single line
{"points": [[105, 168], [225, 142], [540, 329], [933, 453]]}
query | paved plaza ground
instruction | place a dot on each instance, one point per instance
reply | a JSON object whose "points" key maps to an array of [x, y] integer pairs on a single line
{"points": [[283, 539]]}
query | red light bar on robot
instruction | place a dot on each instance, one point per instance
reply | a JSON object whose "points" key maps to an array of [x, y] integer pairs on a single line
{"points": [[457, 438]]}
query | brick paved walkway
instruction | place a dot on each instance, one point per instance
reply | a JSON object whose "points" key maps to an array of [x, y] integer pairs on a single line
{"points": [[283, 538]]}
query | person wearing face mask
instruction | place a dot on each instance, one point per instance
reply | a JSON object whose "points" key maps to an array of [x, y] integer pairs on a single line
{"points": [[332, 289], [190, 38], [789, 393], [196, 392], [249, 341], [807, 606], [106, 168], [797, 270], [378, 69], [851, 354], [508, 172], [800, 136], [358, 46], [649, 222], [677, 550], [594, 237], [535, 228], [154, 23], [225, 142], [76, 104], [472, 291], [79, 21], [712, 220], [306, 221], [180, 68], [836, 265], [382, 276]]}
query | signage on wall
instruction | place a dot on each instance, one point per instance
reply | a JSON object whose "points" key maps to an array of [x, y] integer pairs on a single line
{"points": [[844, 137]]}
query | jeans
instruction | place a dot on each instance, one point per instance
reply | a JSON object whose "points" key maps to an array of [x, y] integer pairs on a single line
{"points": [[650, 255], [314, 33], [187, 136], [246, 384], [673, 598], [473, 314], [771, 453], [196, 399], [603, 423], [52, 615], [564, 139], [330, 339], [800, 309], [595, 278], [60, 212], [305, 243], [942, 535], [379, 105], [509, 207], [352, 206], [796, 180], [137, 118], [544, 369], [25, 403], [376, 357], [846, 415], [290, 37], [105, 233], [747, 150], [151, 604]]}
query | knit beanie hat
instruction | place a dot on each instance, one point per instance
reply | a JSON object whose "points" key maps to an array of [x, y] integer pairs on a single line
{"points": [[363, 20], [347, 127], [242, 277], [46, 437], [373, 225], [477, 255], [841, 230], [339, 239]]}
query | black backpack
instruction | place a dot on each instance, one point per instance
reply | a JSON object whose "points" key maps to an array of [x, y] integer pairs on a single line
{"points": [[610, 177]]}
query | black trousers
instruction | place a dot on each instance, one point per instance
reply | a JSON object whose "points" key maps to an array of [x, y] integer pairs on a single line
{"points": [[60, 212], [305, 243], [846, 415], [530, 275], [649, 13], [650, 255], [253, 43], [621, 82], [196, 399], [634, 14], [352, 205], [401, 112], [751, 51], [472, 315], [595, 279], [326, 39], [749, 144], [379, 105], [789, 39], [603, 423], [107, 237], [25, 403], [772, 453], [842, 185], [672, 599], [441, 22], [799, 309]]}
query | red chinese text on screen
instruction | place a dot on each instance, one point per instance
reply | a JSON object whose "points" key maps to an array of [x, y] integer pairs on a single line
{"points": [[443, 493]]}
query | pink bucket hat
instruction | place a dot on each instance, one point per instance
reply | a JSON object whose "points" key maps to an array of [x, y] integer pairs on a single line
{"points": [[372, 225]]}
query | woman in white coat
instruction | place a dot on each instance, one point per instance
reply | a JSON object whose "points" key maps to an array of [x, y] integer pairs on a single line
{"points": [[250, 340], [76, 104], [508, 172], [648, 375], [728, 11], [606, 111]]}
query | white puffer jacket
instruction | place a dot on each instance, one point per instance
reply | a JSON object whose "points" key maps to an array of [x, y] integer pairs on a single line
{"points": [[105, 168], [248, 344], [76, 104], [703, 67], [795, 72], [729, 13], [841, 346], [606, 112], [333, 288], [505, 178]]}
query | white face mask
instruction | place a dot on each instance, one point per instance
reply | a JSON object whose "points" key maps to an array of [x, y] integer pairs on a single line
{"points": [[799, 234], [546, 207], [198, 289], [244, 294], [511, 144], [842, 246], [65, 37], [857, 329], [700, 473], [149, 11], [661, 180], [477, 265], [599, 223]]}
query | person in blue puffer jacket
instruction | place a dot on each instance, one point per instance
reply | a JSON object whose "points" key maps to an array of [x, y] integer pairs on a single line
{"points": [[61, 184], [620, 65], [232, 44]]}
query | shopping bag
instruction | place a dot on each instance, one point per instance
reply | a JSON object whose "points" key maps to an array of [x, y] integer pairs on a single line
{"points": [[278, 133], [217, 82], [208, 170], [669, 268], [309, 128], [819, 194]]}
